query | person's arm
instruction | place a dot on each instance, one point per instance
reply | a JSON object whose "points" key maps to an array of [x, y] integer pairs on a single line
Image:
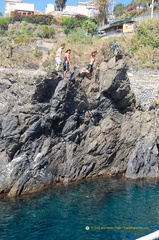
{"points": [[99, 50]]}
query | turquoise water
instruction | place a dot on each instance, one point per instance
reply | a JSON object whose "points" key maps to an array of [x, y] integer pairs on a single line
{"points": [[129, 208]]}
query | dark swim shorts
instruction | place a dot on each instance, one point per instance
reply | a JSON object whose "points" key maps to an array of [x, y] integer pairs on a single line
{"points": [[66, 66], [90, 68]]}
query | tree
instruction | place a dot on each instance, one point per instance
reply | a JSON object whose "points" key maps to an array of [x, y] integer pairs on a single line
{"points": [[1, 14], [90, 25], [119, 9], [60, 4], [145, 3], [72, 23], [102, 11]]}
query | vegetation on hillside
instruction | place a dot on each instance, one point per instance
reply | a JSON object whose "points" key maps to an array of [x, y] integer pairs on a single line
{"points": [[139, 49], [3, 26], [35, 19], [79, 21], [26, 30], [119, 9], [43, 25], [135, 8]]}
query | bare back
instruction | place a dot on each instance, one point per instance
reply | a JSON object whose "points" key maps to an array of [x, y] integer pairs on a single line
{"points": [[67, 57], [59, 51]]}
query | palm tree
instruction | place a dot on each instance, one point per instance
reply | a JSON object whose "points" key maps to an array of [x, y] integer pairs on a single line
{"points": [[102, 11], [60, 4]]}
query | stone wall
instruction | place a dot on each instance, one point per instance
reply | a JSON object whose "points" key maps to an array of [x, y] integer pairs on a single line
{"points": [[145, 85]]}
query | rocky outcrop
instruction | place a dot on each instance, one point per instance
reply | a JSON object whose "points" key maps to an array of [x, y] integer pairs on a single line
{"points": [[55, 130]]}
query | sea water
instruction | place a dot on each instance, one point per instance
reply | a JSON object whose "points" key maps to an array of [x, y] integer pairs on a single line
{"points": [[100, 209]]}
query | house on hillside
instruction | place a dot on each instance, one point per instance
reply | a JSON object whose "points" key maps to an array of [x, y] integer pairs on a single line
{"points": [[118, 27], [19, 6], [85, 8]]}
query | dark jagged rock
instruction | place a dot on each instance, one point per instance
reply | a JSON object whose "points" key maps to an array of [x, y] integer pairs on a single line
{"points": [[54, 130]]}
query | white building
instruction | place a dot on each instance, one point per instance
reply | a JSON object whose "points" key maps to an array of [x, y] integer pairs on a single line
{"points": [[49, 8], [19, 6], [10, 6], [84, 8]]}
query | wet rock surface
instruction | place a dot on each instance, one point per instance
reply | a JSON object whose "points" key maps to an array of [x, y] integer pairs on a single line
{"points": [[54, 130]]}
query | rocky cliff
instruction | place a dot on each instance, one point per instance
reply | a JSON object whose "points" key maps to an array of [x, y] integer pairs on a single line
{"points": [[54, 130]]}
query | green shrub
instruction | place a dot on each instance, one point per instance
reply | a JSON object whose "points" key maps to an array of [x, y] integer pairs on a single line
{"points": [[22, 40], [46, 32], [75, 22], [147, 33], [40, 19], [31, 30], [3, 23], [35, 19], [66, 21], [131, 13], [2, 42], [119, 13], [71, 23], [119, 9], [79, 36], [27, 29], [15, 16], [3, 33], [90, 26]]}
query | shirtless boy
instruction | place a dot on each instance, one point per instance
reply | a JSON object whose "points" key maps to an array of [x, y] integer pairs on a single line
{"points": [[66, 63], [89, 69], [58, 57]]}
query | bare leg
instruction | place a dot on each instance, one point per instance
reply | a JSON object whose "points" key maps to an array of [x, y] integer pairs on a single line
{"points": [[64, 75], [84, 70], [57, 67]]}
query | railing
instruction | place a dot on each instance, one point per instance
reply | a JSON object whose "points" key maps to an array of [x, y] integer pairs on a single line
{"points": [[145, 17]]}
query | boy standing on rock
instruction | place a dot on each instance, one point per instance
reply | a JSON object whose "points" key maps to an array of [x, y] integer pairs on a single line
{"points": [[66, 63], [89, 69], [58, 56]]}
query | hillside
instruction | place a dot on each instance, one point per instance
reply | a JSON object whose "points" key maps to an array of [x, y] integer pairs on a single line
{"points": [[136, 8], [19, 49]]}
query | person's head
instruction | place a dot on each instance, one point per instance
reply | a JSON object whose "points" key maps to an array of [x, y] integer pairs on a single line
{"points": [[63, 45], [68, 51], [94, 53]]}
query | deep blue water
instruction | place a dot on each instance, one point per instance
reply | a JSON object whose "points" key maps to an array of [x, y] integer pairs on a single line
{"points": [[130, 208]]}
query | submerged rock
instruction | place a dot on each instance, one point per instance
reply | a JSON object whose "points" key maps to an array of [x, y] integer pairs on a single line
{"points": [[55, 130]]}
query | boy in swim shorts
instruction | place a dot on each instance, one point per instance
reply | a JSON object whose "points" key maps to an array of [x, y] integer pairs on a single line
{"points": [[66, 63], [89, 69], [58, 56]]}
